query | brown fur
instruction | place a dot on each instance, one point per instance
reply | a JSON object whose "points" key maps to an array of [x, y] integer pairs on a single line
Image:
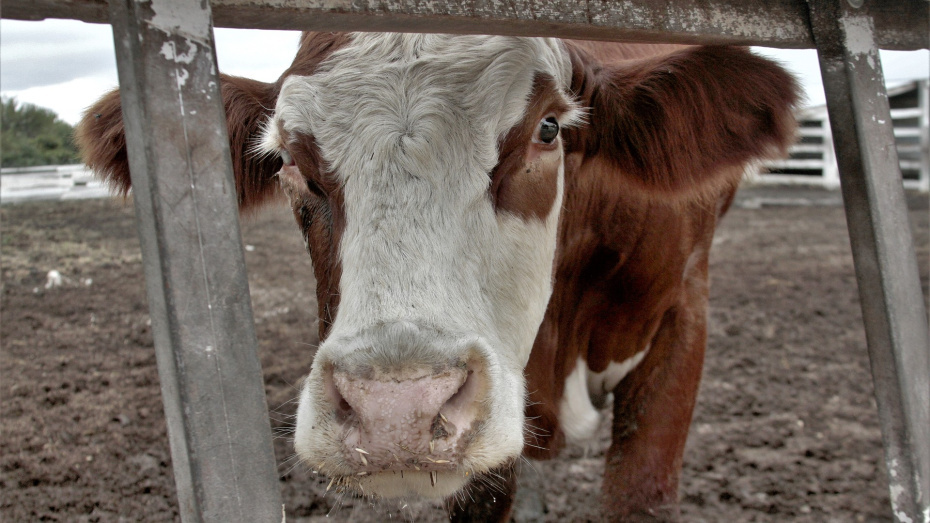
{"points": [[102, 141], [671, 129], [519, 184]]}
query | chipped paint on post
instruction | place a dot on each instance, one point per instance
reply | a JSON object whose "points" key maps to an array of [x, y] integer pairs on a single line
{"points": [[859, 40], [858, 31], [170, 52], [188, 19], [182, 76], [175, 20], [896, 490]]}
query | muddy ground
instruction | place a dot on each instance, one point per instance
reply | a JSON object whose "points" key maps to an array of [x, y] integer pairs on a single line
{"points": [[785, 428]]}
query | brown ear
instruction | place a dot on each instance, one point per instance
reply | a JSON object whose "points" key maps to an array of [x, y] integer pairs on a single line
{"points": [[686, 122], [101, 139]]}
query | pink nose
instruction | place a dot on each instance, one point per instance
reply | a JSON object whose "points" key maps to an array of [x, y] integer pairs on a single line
{"points": [[417, 419]]}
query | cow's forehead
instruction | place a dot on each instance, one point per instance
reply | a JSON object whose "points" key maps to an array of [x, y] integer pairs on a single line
{"points": [[454, 91]]}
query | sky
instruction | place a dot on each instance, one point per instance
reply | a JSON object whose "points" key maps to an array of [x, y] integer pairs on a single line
{"points": [[65, 65]]}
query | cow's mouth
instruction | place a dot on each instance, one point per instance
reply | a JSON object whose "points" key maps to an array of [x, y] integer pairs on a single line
{"points": [[442, 453], [389, 484]]}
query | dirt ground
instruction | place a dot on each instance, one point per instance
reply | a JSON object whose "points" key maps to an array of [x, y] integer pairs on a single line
{"points": [[785, 427]]}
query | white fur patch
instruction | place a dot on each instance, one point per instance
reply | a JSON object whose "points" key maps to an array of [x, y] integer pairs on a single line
{"points": [[600, 383], [578, 417]]}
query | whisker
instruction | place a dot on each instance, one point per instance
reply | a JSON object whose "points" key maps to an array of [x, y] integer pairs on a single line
{"points": [[292, 468]]}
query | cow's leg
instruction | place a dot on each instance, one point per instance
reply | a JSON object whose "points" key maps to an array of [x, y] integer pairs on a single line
{"points": [[652, 413], [489, 498]]}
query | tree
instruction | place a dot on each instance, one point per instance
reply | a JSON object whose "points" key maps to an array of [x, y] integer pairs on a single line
{"points": [[31, 135]]}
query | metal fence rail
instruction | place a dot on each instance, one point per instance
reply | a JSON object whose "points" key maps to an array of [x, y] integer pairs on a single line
{"points": [[198, 294]]}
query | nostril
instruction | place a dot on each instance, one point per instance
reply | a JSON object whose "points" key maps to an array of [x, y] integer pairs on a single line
{"points": [[460, 409], [341, 407]]}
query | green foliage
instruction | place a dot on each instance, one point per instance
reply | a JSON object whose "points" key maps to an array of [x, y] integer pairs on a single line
{"points": [[31, 135]]}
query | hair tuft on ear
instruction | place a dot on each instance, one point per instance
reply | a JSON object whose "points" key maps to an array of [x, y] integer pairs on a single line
{"points": [[101, 140]]}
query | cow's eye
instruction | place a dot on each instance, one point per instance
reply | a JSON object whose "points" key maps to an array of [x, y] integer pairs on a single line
{"points": [[548, 130], [286, 157]]}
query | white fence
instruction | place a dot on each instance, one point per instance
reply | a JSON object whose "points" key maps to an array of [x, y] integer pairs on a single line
{"points": [[49, 182], [812, 159]]}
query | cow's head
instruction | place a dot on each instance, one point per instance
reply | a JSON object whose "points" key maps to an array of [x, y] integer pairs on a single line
{"points": [[426, 175]]}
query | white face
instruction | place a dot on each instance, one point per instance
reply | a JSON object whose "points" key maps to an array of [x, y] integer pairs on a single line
{"points": [[443, 282]]}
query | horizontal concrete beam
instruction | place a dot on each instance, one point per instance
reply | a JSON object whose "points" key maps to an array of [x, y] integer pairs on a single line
{"points": [[902, 24]]}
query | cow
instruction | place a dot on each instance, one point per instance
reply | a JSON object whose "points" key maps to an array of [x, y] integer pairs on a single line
{"points": [[505, 233]]}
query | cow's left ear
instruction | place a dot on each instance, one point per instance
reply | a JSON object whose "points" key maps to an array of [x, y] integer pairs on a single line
{"points": [[101, 138], [683, 124]]}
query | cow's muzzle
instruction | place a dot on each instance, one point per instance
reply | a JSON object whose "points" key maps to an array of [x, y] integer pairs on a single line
{"points": [[419, 418], [402, 410]]}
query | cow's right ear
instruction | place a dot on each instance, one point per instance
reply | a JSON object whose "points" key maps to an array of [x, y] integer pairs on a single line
{"points": [[684, 124], [101, 138]]}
